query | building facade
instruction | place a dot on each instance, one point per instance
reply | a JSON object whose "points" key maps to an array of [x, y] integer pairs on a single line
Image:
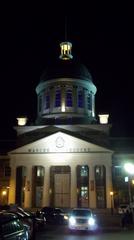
{"points": [[66, 158]]}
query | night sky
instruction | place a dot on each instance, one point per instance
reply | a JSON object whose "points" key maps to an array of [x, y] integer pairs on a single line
{"points": [[102, 39]]}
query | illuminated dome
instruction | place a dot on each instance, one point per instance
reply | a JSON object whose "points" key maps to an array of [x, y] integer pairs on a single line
{"points": [[66, 69], [66, 92]]}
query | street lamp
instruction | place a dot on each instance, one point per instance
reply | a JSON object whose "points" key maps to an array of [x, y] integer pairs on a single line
{"points": [[129, 168], [112, 203]]}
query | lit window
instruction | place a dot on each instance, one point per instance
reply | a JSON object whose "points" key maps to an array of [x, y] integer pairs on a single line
{"points": [[84, 192], [40, 171], [58, 98], [84, 171], [69, 102]]}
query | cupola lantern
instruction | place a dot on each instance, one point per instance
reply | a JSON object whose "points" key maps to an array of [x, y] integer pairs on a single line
{"points": [[66, 48]]}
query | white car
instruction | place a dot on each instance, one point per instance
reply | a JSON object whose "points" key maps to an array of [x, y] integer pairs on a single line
{"points": [[82, 219]]}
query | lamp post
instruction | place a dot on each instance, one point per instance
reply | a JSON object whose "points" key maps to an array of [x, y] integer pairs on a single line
{"points": [[112, 203], [129, 168]]}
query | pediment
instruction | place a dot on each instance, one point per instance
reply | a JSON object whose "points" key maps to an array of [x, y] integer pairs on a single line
{"points": [[59, 142]]}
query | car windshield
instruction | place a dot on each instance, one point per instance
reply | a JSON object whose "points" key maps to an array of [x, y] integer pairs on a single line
{"points": [[84, 212]]}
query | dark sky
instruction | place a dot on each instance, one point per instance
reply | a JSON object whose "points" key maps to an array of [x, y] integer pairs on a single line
{"points": [[102, 38]]}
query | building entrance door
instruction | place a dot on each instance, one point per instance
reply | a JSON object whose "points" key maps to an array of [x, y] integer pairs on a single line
{"points": [[62, 189]]}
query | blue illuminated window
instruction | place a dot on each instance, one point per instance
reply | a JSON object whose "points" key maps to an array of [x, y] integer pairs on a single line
{"points": [[69, 100], [80, 99], [58, 98]]}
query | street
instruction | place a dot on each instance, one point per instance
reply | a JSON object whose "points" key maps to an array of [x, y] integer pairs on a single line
{"points": [[61, 232]]}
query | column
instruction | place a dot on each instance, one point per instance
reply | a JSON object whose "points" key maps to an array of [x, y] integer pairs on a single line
{"points": [[73, 202], [85, 102], [92, 194], [11, 198], [46, 188], [75, 105], [28, 188], [93, 104], [109, 186], [63, 99], [52, 99]]}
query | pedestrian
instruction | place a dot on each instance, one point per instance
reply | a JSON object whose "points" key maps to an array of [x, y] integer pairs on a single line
{"points": [[125, 220], [131, 216]]}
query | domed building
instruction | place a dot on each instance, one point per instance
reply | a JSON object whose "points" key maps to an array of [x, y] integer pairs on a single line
{"points": [[66, 92], [65, 159]]}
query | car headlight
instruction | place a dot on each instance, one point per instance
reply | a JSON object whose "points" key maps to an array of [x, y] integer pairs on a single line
{"points": [[72, 220], [91, 221]]}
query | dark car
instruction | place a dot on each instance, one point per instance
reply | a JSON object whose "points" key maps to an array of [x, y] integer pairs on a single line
{"points": [[54, 215], [28, 218], [12, 228]]}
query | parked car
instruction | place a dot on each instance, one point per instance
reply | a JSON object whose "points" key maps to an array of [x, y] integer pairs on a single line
{"points": [[53, 215], [31, 218], [82, 219], [28, 218], [11, 228]]}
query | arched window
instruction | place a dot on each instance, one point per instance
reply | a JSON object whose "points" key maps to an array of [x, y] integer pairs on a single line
{"points": [[100, 181], [58, 97], [80, 99], [69, 100], [21, 173], [37, 188], [82, 185]]}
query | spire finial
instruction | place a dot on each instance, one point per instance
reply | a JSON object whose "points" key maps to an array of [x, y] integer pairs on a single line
{"points": [[65, 28]]}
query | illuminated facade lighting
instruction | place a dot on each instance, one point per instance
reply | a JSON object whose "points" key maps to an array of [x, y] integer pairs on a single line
{"points": [[22, 121], [103, 118], [63, 107], [4, 193]]}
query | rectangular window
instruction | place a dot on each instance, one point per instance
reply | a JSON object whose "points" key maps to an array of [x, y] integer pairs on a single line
{"points": [[58, 98], [69, 101], [80, 99]]}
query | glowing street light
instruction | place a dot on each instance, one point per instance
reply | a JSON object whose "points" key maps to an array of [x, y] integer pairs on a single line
{"points": [[112, 202], [129, 168]]}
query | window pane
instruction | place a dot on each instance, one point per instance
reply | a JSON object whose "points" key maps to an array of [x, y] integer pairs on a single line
{"points": [[80, 99], [69, 102], [84, 171], [58, 98]]}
